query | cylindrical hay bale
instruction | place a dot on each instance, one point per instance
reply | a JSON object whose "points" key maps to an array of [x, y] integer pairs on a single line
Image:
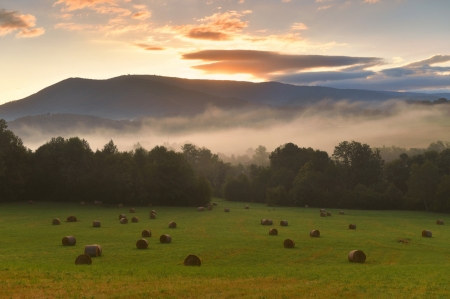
{"points": [[246, 207], [209, 208], [96, 223], [440, 222], [123, 221], [226, 210], [322, 211], [69, 241], [83, 259], [134, 220], [71, 219], [30, 202], [172, 225], [165, 238], [132, 210], [142, 244], [214, 203], [122, 216], [341, 213], [146, 233], [152, 216], [426, 233], [153, 212], [92, 250], [273, 232], [284, 223], [200, 209], [56, 221], [120, 205], [100, 250], [82, 203], [323, 214], [269, 222], [356, 256], [328, 214], [288, 243], [263, 221], [192, 260], [352, 226], [314, 233]]}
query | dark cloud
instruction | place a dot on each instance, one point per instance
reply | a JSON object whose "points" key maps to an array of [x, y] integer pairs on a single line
{"points": [[261, 63], [14, 20], [312, 77], [209, 35], [432, 60]]}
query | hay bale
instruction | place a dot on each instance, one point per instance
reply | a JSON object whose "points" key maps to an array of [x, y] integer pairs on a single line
{"points": [[142, 244], [146, 233], [30, 202], [192, 260], [134, 220], [69, 241], [153, 212], [165, 238], [440, 222], [322, 210], [93, 250], [284, 223], [226, 210], [328, 214], [56, 221], [214, 203], [341, 213], [427, 233], [352, 226], [82, 203], [71, 219], [96, 223], [201, 209], [122, 216], [172, 224], [314, 233], [83, 259], [273, 232], [306, 206], [288, 243], [209, 208], [323, 214], [123, 221], [356, 256], [152, 216], [246, 207], [132, 210], [120, 205]]}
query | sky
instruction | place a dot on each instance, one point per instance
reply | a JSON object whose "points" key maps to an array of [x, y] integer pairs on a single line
{"points": [[397, 45]]}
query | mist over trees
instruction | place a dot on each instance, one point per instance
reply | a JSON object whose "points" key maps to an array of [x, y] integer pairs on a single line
{"points": [[354, 176]]}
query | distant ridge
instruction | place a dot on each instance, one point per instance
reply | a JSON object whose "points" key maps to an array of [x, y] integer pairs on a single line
{"points": [[137, 96]]}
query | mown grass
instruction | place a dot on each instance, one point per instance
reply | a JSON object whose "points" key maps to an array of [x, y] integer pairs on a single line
{"points": [[239, 258]]}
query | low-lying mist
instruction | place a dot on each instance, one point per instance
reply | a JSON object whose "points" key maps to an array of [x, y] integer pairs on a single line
{"points": [[322, 126]]}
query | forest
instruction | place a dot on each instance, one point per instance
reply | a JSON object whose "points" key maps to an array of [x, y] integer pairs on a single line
{"points": [[355, 176]]}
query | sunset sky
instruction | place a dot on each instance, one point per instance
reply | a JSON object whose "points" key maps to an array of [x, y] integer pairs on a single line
{"points": [[366, 44]]}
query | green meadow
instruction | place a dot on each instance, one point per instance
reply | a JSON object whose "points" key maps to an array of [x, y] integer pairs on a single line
{"points": [[239, 257]]}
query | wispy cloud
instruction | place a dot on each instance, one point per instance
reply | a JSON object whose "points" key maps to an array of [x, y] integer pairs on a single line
{"points": [[142, 15], [80, 4], [11, 21], [299, 26], [149, 47]]}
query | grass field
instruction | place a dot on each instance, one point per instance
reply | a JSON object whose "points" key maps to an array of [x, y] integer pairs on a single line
{"points": [[239, 258]]}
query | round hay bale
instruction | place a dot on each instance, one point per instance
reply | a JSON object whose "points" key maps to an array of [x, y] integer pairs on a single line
{"points": [[323, 214], [341, 213], [314, 233], [123, 221], [209, 208], [153, 212], [266, 221], [214, 203], [328, 214], [306, 206], [69, 241], [284, 223], [120, 205], [132, 210], [83, 259], [165, 238], [152, 216], [192, 260], [142, 244], [440, 222], [56, 221], [146, 233], [82, 203], [93, 250], [246, 207], [96, 223], [322, 210], [122, 216], [201, 209], [273, 232], [134, 220], [356, 256], [30, 202], [263, 221], [288, 243], [71, 219], [226, 210], [427, 233], [172, 224], [352, 226]]}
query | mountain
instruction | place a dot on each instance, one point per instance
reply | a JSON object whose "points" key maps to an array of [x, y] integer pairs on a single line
{"points": [[137, 96]]}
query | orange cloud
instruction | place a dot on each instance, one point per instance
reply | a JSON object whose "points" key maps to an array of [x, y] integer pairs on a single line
{"points": [[150, 47], [79, 4], [142, 15], [11, 21]]}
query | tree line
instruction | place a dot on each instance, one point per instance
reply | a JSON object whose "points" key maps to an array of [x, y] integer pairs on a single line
{"points": [[354, 176]]}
